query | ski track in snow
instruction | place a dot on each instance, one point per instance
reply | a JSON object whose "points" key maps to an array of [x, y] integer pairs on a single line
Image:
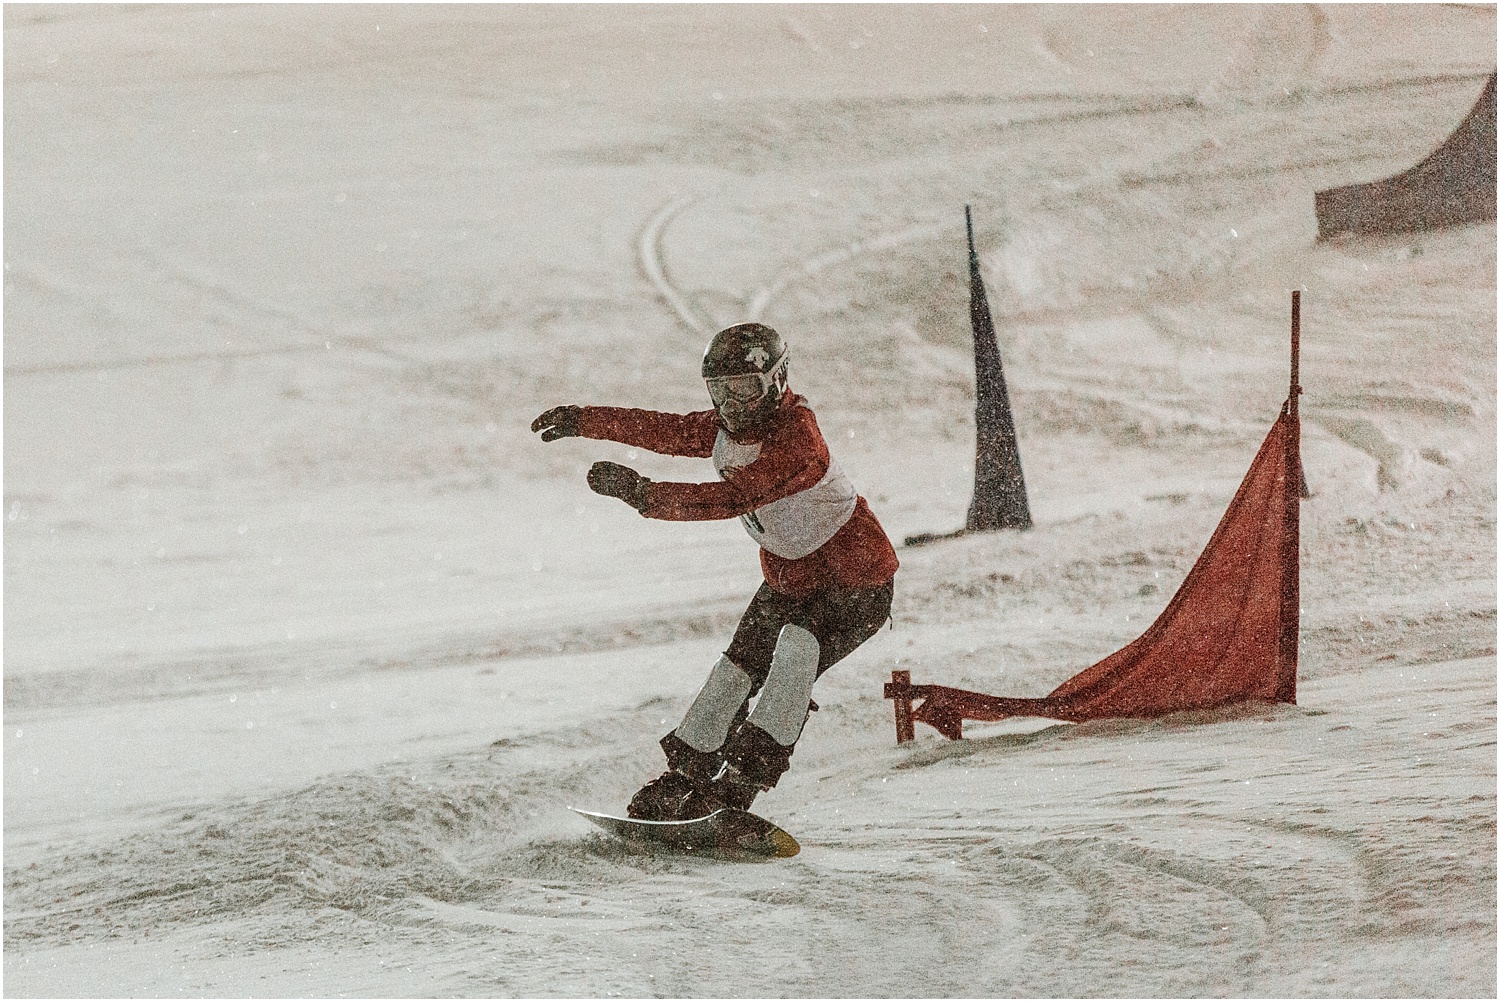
{"points": [[810, 268], [649, 252], [1282, 51], [65, 368]]}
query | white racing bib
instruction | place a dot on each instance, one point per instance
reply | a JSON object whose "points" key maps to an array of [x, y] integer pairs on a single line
{"points": [[798, 524]]}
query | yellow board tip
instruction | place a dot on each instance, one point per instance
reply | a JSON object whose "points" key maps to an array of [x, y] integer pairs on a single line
{"points": [[784, 844]]}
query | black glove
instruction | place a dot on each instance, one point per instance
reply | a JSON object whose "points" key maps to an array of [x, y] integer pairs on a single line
{"points": [[616, 481], [558, 422]]}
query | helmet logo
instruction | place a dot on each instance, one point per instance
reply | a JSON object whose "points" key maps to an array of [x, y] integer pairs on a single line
{"points": [[758, 357]]}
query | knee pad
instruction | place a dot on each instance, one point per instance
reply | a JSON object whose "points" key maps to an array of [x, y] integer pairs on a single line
{"points": [[707, 723], [782, 707]]}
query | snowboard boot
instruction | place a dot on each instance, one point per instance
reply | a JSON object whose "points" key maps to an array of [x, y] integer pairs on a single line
{"points": [[699, 766], [753, 761], [733, 790], [672, 797], [685, 791]]}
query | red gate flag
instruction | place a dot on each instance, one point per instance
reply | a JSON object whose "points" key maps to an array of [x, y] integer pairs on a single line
{"points": [[1228, 635]]}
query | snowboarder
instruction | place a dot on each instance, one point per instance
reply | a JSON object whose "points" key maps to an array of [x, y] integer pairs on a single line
{"points": [[828, 565]]}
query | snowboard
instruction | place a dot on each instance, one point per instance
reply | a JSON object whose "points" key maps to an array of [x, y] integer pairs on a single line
{"points": [[725, 834]]}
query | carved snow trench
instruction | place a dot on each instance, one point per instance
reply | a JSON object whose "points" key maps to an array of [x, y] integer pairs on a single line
{"points": [[839, 255], [649, 249], [650, 254]]}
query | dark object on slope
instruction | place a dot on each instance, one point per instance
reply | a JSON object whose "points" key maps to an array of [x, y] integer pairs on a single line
{"points": [[999, 500], [1456, 184], [999, 488], [1229, 634]]}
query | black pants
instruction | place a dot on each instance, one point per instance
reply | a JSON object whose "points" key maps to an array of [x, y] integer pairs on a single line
{"points": [[840, 618]]}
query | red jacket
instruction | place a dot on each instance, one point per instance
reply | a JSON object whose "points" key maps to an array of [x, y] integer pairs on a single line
{"points": [[781, 482]]}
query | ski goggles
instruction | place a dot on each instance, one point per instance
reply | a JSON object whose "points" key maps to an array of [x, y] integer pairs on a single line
{"points": [[745, 389]]}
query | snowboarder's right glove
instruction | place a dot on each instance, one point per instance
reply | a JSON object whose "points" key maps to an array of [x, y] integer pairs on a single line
{"points": [[616, 481], [558, 422]]}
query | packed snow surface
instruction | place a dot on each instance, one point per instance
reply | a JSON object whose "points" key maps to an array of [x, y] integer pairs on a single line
{"points": [[310, 643]]}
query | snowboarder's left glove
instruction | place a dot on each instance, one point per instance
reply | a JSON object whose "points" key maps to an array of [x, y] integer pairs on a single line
{"points": [[558, 422], [616, 481]]}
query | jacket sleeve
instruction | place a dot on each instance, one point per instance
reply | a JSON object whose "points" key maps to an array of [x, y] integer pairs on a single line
{"points": [[793, 458], [668, 434]]}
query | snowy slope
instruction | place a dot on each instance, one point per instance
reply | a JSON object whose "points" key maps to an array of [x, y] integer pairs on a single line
{"points": [[309, 643]]}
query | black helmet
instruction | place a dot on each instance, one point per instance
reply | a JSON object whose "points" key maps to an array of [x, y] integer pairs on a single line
{"points": [[745, 368]]}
